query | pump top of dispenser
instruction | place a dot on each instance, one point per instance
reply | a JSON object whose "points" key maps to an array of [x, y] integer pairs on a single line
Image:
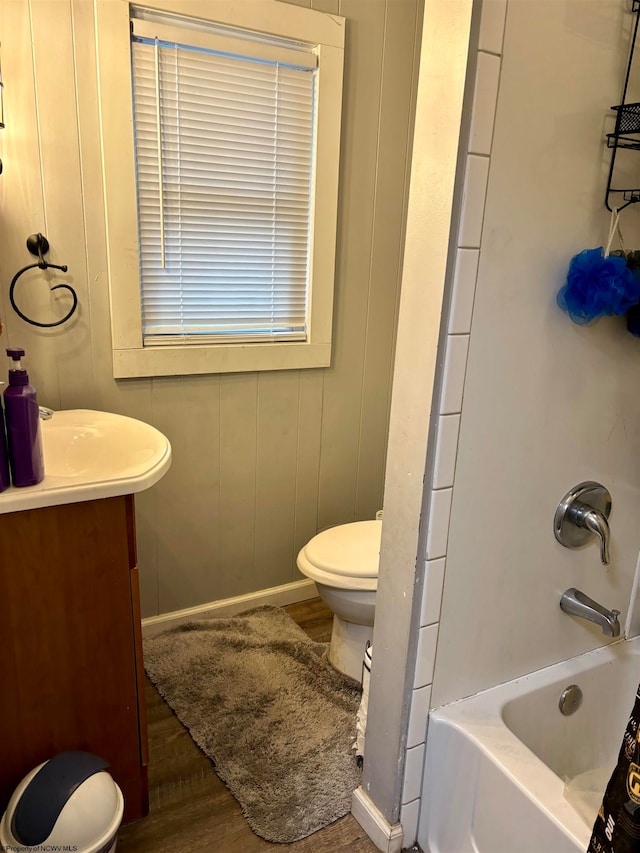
{"points": [[17, 374]]}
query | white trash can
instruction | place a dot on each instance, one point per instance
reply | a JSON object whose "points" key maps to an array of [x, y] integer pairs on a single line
{"points": [[67, 803]]}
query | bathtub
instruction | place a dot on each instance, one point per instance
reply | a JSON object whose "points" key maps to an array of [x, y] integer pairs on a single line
{"points": [[505, 770]]}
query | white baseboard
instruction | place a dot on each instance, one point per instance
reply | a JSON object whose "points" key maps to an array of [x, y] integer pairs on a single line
{"points": [[387, 837], [288, 593]]}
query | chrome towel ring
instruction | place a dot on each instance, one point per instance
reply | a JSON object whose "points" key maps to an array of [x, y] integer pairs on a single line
{"points": [[38, 245]]}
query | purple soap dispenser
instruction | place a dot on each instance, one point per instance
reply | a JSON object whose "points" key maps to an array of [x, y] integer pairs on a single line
{"points": [[5, 480], [23, 425]]}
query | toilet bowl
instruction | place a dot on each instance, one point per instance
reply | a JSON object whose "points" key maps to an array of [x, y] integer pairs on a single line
{"points": [[343, 562]]}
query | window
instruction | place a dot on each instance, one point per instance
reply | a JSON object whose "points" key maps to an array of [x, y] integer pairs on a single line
{"points": [[221, 185]]}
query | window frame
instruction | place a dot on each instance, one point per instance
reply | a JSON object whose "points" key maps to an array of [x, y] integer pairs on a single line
{"points": [[131, 358]]}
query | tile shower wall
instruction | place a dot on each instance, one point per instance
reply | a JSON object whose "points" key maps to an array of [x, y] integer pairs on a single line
{"points": [[468, 242], [542, 403], [261, 461], [546, 404]]}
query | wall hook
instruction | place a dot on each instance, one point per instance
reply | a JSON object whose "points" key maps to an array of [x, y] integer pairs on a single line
{"points": [[38, 245]]}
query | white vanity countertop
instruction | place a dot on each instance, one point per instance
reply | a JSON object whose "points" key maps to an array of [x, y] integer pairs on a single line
{"points": [[91, 455]]}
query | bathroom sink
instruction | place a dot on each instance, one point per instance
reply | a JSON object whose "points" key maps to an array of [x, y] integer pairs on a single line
{"points": [[90, 455]]}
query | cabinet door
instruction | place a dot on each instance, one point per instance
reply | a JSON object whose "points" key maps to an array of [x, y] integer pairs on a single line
{"points": [[67, 642]]}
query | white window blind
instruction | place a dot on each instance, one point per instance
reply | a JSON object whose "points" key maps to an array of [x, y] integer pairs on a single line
{"points": [[225, 159]]}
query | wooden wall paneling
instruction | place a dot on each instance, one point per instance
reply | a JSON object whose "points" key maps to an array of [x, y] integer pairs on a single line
{"points": [[276, 458], [187, 411], [69, 344], [331, 7], [238, 438], [308, 460], [86, 86], [93, 210], [310, 400], [131, 397], [392, 179], [22, 203], [343, 380]]}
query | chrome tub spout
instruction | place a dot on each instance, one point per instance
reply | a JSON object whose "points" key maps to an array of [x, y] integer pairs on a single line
{"points": [[576, 603]]}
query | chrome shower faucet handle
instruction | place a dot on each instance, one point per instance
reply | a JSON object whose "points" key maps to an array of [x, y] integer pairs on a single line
{"points": [[583, 512]]}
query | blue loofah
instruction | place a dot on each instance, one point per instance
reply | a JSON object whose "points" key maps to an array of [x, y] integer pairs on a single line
{"points": [[598, 287]]}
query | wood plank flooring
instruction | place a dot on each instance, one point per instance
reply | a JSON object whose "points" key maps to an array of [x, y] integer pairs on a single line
{"points": [[192, 811]]}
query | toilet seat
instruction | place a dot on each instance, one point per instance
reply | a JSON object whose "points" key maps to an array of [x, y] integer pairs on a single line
{"points": [[345, 557]]}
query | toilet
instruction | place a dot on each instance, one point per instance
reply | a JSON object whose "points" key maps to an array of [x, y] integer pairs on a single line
{"points": [[343, 562]]}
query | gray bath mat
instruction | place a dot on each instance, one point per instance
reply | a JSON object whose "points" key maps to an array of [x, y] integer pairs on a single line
{"points": [[261, 700]]}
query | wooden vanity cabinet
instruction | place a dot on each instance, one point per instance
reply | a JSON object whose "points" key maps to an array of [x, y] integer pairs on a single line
{"points": [[71, 674]]}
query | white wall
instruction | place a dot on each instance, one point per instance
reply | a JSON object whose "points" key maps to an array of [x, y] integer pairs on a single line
{"points": [[261, 461], [443, 89]]}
